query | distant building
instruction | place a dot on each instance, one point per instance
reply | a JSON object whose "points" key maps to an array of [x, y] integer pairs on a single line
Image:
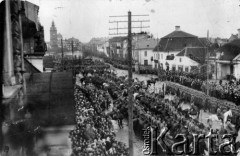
{"points": [[180, 51], [227, 60], [135, 38], [53, 36], [116, 45], [104, 48], [234, 36], [95, 43], [143, 51]]}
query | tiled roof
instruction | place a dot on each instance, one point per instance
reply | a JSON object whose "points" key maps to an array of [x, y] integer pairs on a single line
{"points": [[146, 44], [177, 43], [230, 50], [177, 40], [117, 39], [178, 34], [197, 54]]}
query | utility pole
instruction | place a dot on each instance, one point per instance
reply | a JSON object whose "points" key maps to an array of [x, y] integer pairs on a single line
{"points": [[62, 54], [130, 93], [72, 57], [129, 48], [207, 71], [207, 68]]}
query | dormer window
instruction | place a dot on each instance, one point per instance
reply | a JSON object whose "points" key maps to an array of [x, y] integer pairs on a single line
{"points": [[147, 45]]}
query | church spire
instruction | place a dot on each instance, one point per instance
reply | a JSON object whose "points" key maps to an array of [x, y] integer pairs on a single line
{"points": [[53, 24]]}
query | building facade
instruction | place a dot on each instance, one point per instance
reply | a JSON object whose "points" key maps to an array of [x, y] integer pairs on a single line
{"points": [[143, 51], [166, 52], [227, 60]]}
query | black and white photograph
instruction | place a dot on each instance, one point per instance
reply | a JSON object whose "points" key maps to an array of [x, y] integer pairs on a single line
{"points": [[120, 77]]}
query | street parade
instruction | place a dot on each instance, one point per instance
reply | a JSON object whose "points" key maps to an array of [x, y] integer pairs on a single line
{"points": [[120, 78], [102, 97]]}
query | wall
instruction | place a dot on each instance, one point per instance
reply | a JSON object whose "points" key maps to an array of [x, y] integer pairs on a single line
{"points": [[31, 12], [225, 70], [163, 56], [185, 62], [142, 56], [237, 71]]}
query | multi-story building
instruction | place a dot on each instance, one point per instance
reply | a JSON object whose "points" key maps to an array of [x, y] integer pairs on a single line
{"points": [[116, 45], [179, 51], [104, 48], [143, 51], [226, 60]]}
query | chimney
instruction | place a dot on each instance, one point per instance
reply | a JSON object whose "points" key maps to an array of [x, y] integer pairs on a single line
{"points": [[177, 28], [238, 33]]}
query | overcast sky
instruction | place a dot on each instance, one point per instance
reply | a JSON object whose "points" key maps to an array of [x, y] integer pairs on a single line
{"points": [[85, 19]]}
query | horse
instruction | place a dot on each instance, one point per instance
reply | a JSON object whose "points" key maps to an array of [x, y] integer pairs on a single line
{"points": [[226, 115], [152, 81]]}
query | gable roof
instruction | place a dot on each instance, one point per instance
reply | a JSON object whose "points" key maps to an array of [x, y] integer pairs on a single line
{"points": [[197, 54], [230, 50], [178, 34], [177, 44], [177, 40], [233, 37], [118, 39], [146, 44]]}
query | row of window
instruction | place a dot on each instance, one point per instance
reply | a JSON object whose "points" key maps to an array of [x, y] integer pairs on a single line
{"points": [[157, 56], [180, 68]]}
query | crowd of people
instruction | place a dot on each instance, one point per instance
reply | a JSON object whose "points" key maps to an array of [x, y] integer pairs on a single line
{"points": [[226, 90], [94, 134], [163, 113]]}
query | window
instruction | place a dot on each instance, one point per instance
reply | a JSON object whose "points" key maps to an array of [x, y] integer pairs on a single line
{"points": [[186, 69], [158, 56], [145, 53], [161, 56], [180, 59]]}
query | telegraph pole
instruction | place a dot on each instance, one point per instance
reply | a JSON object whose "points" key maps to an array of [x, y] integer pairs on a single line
{"points": [[207, 68], [62, 54], [130, 93], [72, 57], [129, 49]]}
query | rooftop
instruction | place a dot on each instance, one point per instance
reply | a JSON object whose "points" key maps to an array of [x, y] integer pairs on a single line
{"points": [[197, 54], [230, 50], [146, 44]]}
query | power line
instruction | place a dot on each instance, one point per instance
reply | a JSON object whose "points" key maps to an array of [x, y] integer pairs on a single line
{"points": [[129, 48]]}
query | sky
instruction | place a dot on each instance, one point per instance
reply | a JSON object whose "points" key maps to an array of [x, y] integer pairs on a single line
{"points": [[85, 19]]}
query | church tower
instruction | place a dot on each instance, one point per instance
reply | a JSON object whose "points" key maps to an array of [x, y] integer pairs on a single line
{"points": [[53, 36]]}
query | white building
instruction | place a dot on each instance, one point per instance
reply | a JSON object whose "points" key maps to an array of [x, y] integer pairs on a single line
{"points": [[227, 60], [191, 48], [143, 52], [104, 48], [189, 59]]}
